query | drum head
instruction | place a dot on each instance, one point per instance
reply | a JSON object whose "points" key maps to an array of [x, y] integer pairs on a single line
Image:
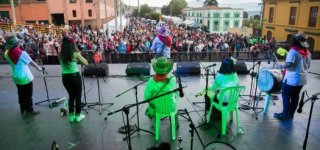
{"points": [[265, 81], [219, 146]]}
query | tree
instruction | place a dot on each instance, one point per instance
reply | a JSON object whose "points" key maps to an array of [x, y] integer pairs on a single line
{"points": [[165, 9], [176, 7], [254, 23], [210, 3], [144, 9], [146, 12], [245, 14], [257, 17]]}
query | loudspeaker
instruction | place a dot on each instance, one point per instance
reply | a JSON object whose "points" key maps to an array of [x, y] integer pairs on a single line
{"points": [[240, 67], [138, 69], [93, 69], [188, 68]]}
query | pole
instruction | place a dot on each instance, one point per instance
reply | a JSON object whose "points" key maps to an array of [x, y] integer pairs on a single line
{"points": [[120, 15], [138, 7], [13, 13], [106, 13], [116, 14]]}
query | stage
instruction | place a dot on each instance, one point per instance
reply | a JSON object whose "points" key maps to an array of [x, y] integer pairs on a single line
{"points": [[95, 133]]}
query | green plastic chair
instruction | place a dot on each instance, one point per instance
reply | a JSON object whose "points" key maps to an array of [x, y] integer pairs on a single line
{"points": [[232, 94], [163, 109]]}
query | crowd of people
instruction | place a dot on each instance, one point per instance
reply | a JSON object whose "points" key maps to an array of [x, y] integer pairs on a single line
{"points": [[136, 37]]}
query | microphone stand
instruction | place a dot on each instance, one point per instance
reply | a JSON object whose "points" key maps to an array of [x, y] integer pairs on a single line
{"points": [[126, 109], [44, 72], [137, 129], [99, 93], [256, 98], [193, 129], [313, 98], [206, 99], [84, 91]]}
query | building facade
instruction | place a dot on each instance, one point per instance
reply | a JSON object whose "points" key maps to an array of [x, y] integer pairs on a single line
{"points": [[92, 13], [217, 19], [281, 18]]}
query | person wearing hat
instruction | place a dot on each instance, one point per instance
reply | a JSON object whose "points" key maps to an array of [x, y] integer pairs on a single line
{"points": [[160, 83], [297, 64], [162, 43], [21, 74], [71, 79]]}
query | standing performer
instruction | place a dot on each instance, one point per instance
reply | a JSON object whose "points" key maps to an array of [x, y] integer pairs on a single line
{"points": [[297, 64], [69, 56], [162, 43], [21, 74], [160, 83]]}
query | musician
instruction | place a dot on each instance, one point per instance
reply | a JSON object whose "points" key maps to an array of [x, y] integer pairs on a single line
{"points": [[162, 43], [227, 77], [68, 57], [160, 83], [21, 74], [297, 64]]}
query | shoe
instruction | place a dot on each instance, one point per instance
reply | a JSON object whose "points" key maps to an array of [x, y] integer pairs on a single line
{"points": [[79, 117], [33, 113], [282, 116], [71, 117]]}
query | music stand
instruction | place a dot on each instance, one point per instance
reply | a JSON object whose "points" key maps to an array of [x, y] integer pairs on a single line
{"points": [[126, 109], [84, 91], [99, 103], [137, 129], [43, 73]]}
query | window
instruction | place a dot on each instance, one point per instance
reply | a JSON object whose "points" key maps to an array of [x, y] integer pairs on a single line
{"points": [[271, 14], [236, 15], [293, 12], [226, 15], [90, 13], [88, 1], [74, 13], [269, 35], [216, 15], [226, 25], [216, 25], [236, 24], [313, 16], [289, 38], [208, 15], [192, 14], [4, 14], [208, 24], [73, 1]]}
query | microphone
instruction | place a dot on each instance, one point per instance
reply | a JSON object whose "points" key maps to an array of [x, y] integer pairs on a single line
{"points": [[180, 87], [211, 65], [301, 103]]}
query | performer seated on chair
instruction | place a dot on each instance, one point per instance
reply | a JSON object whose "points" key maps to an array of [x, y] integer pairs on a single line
{"points": [[227, 77], [160, 83], [71, 79]]}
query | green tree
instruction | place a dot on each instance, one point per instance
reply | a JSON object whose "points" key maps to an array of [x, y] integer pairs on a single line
{"points": [[8, 1], [176, 7], [210, 3], [254, 23], [165, 9]]}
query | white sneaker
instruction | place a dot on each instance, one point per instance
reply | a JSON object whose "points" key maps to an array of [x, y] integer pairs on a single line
{"points": [[79, 117]]}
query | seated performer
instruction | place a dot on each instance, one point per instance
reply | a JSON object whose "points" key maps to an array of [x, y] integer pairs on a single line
{"points": [[160, 83], [227, 77]]}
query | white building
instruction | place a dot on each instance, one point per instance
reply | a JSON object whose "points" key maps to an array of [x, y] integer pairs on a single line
{"points": [[217, 19]]}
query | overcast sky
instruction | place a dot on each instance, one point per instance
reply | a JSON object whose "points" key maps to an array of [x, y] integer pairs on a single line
{"points": [[248, 5]]}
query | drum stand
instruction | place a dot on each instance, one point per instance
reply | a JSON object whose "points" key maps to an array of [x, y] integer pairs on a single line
{"points": [[255, 98]]}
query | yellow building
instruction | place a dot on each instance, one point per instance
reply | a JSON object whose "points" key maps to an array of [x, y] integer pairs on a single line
{"points": [[284, 17]]}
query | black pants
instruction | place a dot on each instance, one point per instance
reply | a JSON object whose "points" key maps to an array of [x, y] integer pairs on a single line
{"points": [[25, 97], [72, 83], [290, 97]]}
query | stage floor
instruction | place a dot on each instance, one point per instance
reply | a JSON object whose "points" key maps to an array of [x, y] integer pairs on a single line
{"points": [[267, 133]]}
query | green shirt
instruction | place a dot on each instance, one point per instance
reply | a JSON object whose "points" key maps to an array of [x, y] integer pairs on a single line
{"points": [[72, 66], [223, 81]]}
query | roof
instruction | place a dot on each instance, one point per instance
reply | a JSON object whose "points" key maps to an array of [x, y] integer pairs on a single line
{"points": [[212, 7]]}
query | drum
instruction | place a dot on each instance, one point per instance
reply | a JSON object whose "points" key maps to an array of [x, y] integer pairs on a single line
{"points": [[219, 146], [269, 80]]}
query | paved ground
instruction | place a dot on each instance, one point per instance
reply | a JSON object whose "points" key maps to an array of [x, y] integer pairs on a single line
{"points": [[95, 133]]}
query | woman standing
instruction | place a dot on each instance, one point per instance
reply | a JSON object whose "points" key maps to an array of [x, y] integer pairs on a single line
{"points": [[21, 74], [69, 56]]}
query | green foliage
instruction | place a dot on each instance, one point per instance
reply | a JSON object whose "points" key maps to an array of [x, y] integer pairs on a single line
{"points": [[165, 9], [254, 23], [8, 1], [176, 6], [146, 12], [210, 2]]}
